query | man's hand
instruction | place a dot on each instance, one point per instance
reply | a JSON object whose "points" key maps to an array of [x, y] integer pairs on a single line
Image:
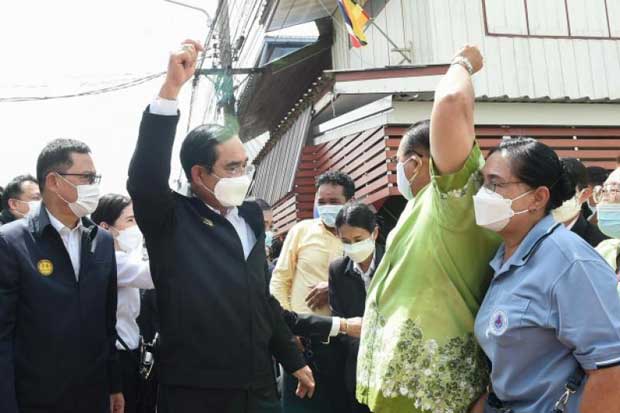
{"points": [[472, 53], [354, 327], [305, 385], [117, 403], [318, 296], [181, 68]]}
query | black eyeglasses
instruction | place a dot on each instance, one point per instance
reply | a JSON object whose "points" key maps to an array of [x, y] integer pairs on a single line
{"points": [[92, 179]]}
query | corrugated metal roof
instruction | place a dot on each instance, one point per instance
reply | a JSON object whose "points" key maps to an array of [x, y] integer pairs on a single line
{"points": [[428, 97], [287, 13], [254, 146], [276, 172]]}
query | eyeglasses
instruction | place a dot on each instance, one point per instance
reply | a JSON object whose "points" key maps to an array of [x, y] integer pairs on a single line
{"points": [[492, 186], [607, 193], [91, 179], [241, 170]]}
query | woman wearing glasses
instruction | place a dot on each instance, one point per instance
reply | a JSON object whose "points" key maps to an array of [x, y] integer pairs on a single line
{"points": [[550, 318], [115, 213], [608, 209]]}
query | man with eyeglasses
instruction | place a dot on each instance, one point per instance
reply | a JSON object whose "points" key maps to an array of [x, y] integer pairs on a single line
{"points": [[58, 295], [219, 325], [21, 195]]}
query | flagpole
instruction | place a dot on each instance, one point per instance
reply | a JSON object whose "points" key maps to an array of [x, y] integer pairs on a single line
{"points": [[396, 48]]}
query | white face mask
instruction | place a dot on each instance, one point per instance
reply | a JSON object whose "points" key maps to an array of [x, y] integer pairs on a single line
{"points": [[32, 207], [360, 251], [404, 185], [87, 199], [130, 239], [230, 192], [328, 214], [493, 211], [568, 210]]}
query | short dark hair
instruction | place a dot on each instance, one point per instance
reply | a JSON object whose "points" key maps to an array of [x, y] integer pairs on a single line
{"points": [[1, 198], [14, 188], [56, 157], [417, 138], [200, 146], [338, 178], [536, 165], [264, 205], [597, 175], [577, 172], [357, 214], [110, 208]]}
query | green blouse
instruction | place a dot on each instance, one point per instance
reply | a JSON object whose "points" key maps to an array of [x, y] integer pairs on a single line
{"points": [[418, 352]]}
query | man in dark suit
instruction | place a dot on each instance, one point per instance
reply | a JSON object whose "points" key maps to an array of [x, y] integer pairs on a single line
{"points": [[219, 325], [58, 296], [571, 211]]}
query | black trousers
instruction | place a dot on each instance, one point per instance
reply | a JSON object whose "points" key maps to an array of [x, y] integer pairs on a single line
{"points": [[173, 399], [129, 361], [330, 395]]}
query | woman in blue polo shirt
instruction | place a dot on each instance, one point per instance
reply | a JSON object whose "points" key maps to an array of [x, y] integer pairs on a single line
{"points": [[551, 315]]}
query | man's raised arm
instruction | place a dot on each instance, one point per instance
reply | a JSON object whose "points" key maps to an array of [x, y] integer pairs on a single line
{"points": [[149, 170], [452, 119]]}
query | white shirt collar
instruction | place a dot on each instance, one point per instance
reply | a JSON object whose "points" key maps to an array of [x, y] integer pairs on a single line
{"points": [[231, 212], [59, 226], [572, 224], [371, 268]]}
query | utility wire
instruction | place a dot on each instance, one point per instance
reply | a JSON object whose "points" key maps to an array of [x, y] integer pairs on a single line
{"points": [[109, 89]]}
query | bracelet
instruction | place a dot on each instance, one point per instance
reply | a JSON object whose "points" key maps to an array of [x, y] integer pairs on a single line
{"points": [[463, 61]]}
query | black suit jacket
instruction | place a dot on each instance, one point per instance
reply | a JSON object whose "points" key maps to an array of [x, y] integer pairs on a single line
{"points": [[57, 334], [588, 231], [347, 298], [219, 324]]}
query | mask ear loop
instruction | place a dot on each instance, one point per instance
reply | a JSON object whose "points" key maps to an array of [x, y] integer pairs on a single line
{"points": [[418, 167]]}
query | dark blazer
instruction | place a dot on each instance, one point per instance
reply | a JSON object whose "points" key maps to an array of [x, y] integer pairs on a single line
{"points": [[219, 324], [6, 217], [347, 298], [588, 231], [57, 334]]}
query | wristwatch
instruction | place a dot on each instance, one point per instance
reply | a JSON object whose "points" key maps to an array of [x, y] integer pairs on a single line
{"points": [[463, 61]]}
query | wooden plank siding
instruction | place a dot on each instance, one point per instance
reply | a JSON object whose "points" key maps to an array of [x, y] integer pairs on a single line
{"points": [[366, 156], [516, 67]]}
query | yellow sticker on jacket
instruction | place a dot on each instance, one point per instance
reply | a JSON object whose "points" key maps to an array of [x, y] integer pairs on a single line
{"points": [[45, 267]]}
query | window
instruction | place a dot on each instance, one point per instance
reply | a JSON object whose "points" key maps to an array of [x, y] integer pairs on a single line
{"points": [[583, 19]]}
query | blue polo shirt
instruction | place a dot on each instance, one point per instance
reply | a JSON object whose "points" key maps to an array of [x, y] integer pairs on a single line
{"points": [[551, 307]]}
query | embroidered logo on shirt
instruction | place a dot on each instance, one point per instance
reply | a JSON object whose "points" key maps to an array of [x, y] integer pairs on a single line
{"points": [[498, 324], [207, 222], [45, 267]]}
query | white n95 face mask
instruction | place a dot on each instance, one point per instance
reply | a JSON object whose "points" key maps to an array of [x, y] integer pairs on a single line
{"points": [[360, 251], [130, 239], [230, 192], [568, 210], [493, 211]]}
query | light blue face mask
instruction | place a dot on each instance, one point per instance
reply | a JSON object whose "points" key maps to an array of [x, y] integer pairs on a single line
{"points": [[268, 239], [609, 219], [328, 214]]}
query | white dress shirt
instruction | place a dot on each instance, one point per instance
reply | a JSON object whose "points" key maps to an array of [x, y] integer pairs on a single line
{"points": [[72, 238], [365, 274], [133, 274]]}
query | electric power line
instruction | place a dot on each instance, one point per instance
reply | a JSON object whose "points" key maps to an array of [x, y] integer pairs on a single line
{"points": [[109, 89]]}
